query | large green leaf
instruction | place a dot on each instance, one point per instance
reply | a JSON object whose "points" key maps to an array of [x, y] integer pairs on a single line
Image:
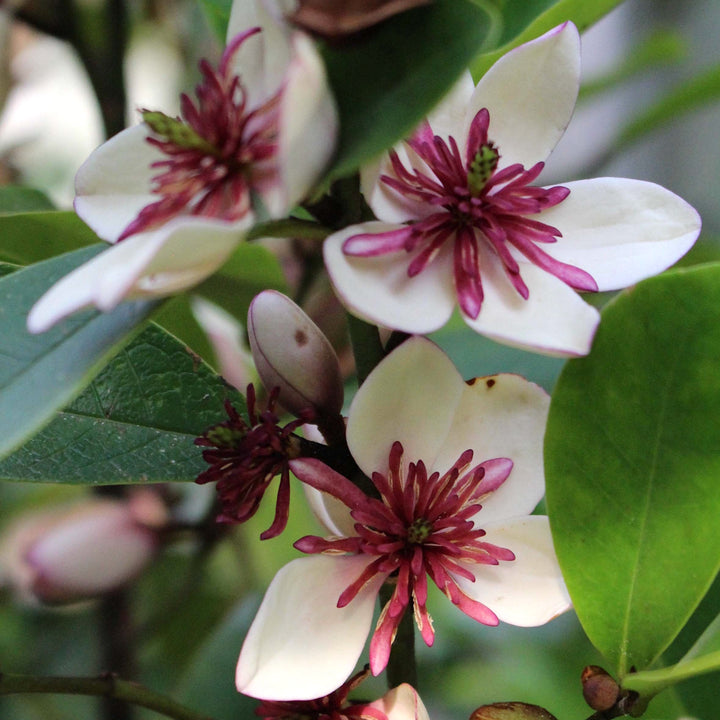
{"points": [[632, 456], [28, 237], [39, 374], [135, 422], [388, 78], [16, 199]]}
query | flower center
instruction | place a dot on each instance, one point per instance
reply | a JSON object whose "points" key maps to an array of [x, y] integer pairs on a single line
{"points": [[244, 457], [423, 525], [419, 531], [482, 211], [217, 155]]}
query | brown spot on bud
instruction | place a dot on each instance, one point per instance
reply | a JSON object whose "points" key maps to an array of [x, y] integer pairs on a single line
{"points": [[301, 338], [490, 382], [600, 690], [511, 711]]}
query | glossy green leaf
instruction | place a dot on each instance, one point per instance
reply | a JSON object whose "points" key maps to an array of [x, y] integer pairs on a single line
{"points": [[520, 15], [251, 269], [632, 456], [29, 237], [39, 374], [387, 79], [136, 422], [16, 199]]}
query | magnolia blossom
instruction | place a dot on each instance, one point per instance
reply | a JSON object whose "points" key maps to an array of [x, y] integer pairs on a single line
{"points": [[176, 196], [459, 217], [456, 468]]}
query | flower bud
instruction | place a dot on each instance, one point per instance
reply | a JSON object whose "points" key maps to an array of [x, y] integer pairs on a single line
{"points": [[511, 711], [291, 353], [600, 691], [80, 552]]}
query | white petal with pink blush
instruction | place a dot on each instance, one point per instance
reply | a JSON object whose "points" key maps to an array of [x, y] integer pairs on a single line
{"points": [[462, 220], [178, 194]]}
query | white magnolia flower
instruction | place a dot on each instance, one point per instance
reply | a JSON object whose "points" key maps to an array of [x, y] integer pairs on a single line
{"points": [[458, 469], [459, 218], [176, 196]]}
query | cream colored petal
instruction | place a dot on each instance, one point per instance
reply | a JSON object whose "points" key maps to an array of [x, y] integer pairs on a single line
{"points": [[402, 703], [114, 183], [530, 93], [301, 645], [529, 590], [621, 231], [378, 289], [502, 416], [411, 396], [554, 320]]}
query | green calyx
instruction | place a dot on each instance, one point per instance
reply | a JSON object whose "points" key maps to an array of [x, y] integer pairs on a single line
{"points": [[177, 132], [482, 166]]}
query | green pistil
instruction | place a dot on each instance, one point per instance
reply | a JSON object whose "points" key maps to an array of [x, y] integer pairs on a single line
{"points": [[224, 437], [419, 531], [482, 166], [176, 131]]}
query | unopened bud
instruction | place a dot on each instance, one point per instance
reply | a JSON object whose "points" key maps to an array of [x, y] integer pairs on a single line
{"points": [[71, 554], [511, 711], [291, 353], [600, 691]]}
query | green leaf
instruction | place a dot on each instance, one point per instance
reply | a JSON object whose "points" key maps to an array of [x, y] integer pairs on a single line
{"points": [[250, 269], [30, 237], [217, 13], [16, 199], [632, 455], [386, 80], [136, 422], [519, 14], [39, 374]]}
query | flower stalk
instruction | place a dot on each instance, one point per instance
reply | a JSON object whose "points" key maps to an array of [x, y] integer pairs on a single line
{"points": [[103, 686]]}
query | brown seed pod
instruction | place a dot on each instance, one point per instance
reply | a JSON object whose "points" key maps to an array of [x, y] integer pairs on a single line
{"points": [[600, 690], [334, 18]]}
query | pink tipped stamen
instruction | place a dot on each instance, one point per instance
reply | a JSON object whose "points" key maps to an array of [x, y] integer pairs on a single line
{"points": [[422, 526], [471, 201], [230, 156]]}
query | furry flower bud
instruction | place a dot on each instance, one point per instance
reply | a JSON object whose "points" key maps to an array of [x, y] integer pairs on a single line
{"points": [[76, 553], [291, 353]]}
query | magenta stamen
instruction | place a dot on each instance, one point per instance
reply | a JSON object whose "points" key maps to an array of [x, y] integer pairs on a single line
{"points": [[422, 525], [469, 207]]}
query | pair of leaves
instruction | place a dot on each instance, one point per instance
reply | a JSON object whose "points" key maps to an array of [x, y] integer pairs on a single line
{"points": [[632, 458]]}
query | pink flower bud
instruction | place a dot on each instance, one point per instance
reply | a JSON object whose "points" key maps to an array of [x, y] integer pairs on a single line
{"points": [[80, 552], [291, 353]]}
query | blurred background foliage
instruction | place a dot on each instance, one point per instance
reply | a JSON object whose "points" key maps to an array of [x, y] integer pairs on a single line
{"points": [[648, 110]]}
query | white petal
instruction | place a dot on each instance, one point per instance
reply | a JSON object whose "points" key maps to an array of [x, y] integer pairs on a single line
{"points": [[411, 396], [448, 117], [402, 703], [261, 61], [530, 93], [309, 121], [621, 231], [529, 590], [301, 645], [176, 257], [554, 320], [113, 184], [379, 290], [502, 416], [333, 514]]}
